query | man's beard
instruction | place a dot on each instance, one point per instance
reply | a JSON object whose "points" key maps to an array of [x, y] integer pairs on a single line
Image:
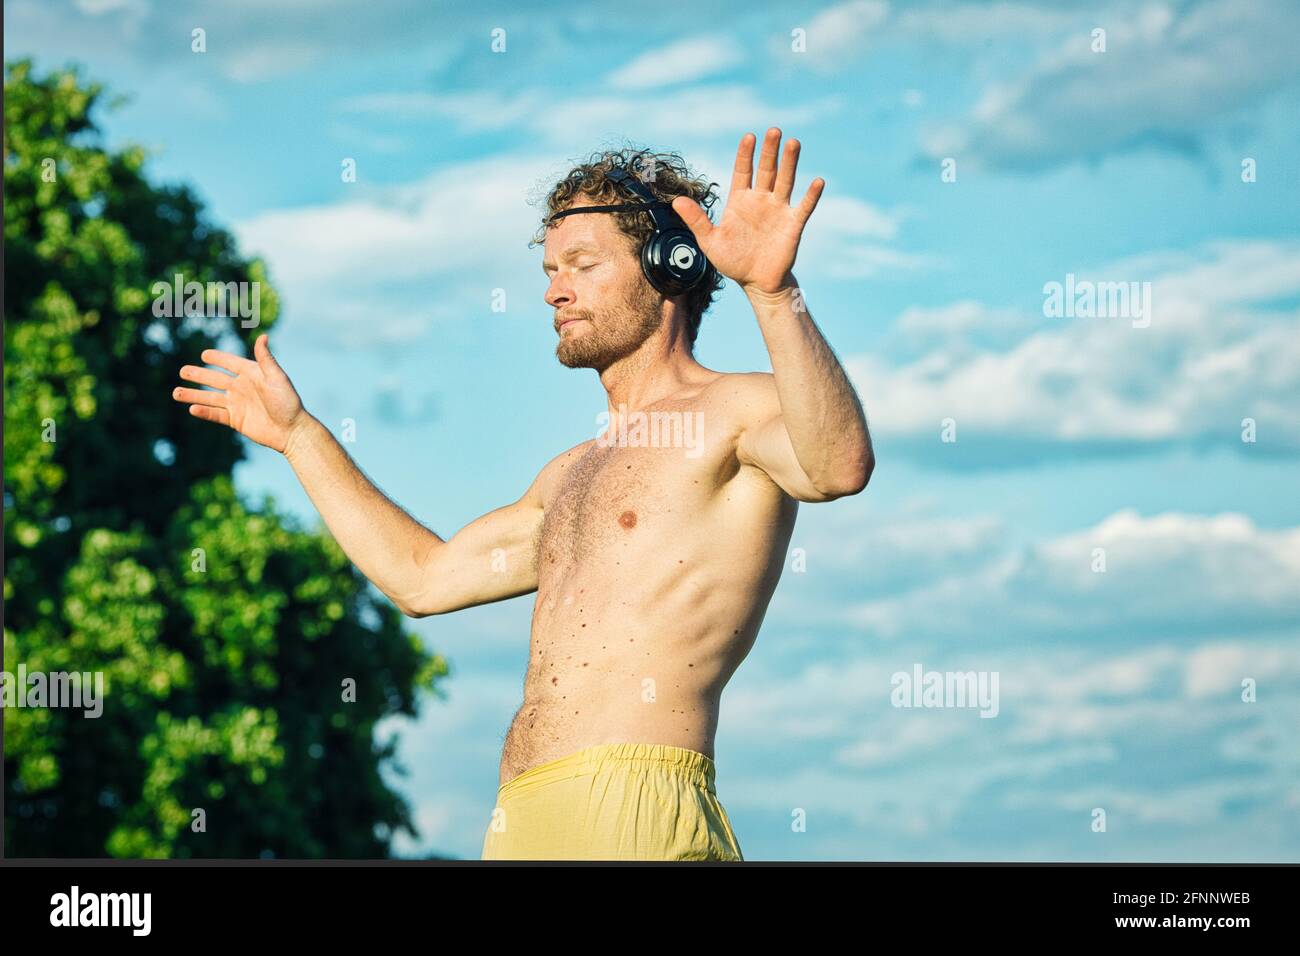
{"points": [[610, 335]]}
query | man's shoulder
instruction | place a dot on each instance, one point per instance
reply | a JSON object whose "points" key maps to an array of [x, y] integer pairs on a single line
{"points": [[749, 396], [570, 456], [554, 469], [746, 381]]}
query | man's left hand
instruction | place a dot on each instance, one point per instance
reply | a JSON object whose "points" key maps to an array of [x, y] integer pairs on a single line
{"points": [[755, 242]]}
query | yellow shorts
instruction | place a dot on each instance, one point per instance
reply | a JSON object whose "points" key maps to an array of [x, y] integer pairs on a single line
{"points": [[613, 802]]}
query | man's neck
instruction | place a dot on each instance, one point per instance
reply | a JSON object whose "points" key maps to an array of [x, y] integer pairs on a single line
{"points": [[660, 368]]}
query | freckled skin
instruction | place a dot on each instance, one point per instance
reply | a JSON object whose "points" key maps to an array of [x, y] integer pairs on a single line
{"points": [[655, 570]]}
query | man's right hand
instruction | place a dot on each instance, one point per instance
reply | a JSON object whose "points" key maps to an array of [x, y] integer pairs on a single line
{"points": [[490, 559], [259, 401]]}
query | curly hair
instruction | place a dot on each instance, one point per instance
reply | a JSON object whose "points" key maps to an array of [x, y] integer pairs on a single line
{"points": [[666, 175]]}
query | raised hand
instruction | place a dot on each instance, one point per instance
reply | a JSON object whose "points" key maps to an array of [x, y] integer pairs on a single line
{"points": [[757, 238], [256, 399]]}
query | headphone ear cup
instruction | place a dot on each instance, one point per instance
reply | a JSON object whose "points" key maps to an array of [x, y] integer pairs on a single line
{"points": [[673, 262]]}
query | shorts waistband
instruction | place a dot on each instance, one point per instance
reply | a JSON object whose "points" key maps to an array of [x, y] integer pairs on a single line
{"points": [[697, 767]]}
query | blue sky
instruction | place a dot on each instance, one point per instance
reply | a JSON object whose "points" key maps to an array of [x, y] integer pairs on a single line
{"points": [[1119, 690]]}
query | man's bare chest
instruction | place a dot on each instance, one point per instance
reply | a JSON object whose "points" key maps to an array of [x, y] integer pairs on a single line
{"points": [[622, 495]]}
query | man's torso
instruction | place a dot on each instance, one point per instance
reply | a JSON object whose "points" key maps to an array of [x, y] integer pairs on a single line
{"points": [[655, 567]]}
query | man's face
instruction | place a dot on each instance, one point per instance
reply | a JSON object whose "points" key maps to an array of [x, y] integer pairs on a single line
{"points": [[604, 308]]}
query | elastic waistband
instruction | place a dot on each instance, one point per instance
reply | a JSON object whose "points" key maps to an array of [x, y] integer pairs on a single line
{"points": [[693, 765]]}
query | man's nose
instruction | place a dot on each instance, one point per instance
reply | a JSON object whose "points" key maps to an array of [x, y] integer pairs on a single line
{"points": [[558, 293]]}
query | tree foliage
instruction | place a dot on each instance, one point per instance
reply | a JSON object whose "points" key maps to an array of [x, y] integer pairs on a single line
{"points": [[225, 633]]}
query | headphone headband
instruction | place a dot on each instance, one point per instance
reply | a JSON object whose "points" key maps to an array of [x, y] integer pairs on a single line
{"points": [[620, 207]]}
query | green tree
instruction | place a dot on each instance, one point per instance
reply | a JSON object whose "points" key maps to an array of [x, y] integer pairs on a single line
{"points": [[225, 633]]}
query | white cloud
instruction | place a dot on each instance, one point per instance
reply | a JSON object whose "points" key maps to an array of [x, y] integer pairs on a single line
{"points": [[1198, 803], [910, 741], [576, 122], [1244, 578], [845, 239], [354, 137], [97, 8], [1212, 356], [1072, 693], [1166, 73], [841, 30], [1068, 714], [1169, 70], [970, 23], [853, 30], [861, 552], [387, 265], [472, 110], [920, 798], [959, 324], [1218, 669], [679, 62], [254, 62]]}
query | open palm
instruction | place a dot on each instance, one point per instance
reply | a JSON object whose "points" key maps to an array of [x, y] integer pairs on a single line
{"points": [[756, 240], [256, 399]]}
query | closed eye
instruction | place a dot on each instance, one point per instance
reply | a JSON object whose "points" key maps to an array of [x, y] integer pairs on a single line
{"points": [[591, 265]]}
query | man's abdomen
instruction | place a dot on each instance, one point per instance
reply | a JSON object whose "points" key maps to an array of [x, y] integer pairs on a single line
{"points": [[584, 694]]}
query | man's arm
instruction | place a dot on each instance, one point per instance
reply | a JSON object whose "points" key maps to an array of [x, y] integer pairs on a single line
{"points": [[812, 438], [490, 559], [808, 432]]}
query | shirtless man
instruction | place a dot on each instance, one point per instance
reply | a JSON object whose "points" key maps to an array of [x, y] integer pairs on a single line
{"points": [[653, 559]]}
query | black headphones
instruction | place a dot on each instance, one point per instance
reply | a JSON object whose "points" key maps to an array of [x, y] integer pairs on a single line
{"points": [[671, 259]]}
